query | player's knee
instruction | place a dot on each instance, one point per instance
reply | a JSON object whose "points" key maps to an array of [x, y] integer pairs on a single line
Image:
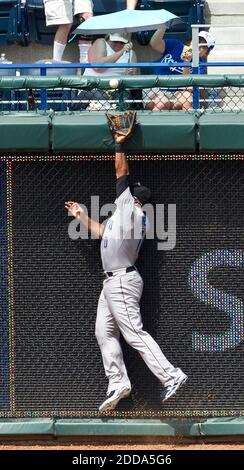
{"points": [[132, 338]]}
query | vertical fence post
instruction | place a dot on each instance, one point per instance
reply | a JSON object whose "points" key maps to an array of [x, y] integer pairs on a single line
{"points": [[121, 96], [195, 65], [43, 92]]}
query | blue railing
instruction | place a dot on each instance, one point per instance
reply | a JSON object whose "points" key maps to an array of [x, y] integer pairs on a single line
{"points": [[43, 68]]}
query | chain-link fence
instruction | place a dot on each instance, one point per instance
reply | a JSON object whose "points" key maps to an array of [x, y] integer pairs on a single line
{"points": [[215, 99]]}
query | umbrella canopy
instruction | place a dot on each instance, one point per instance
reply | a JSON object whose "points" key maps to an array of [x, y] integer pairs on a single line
{"points": [[127, 21]]}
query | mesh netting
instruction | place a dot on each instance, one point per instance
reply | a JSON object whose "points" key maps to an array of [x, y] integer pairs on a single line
{"points": [[56, 364], [157, 99]]}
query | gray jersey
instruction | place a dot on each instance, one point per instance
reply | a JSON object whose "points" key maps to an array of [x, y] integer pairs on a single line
{"points": [[124, 233]]}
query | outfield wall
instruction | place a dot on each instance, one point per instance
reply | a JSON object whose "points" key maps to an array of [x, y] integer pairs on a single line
{"points": [[193, 296]]}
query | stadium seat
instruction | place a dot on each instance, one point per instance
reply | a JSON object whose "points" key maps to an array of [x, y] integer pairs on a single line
{"points": [[13, 22], [23, 26], [37, 23], [108, 6], [8, 21]]}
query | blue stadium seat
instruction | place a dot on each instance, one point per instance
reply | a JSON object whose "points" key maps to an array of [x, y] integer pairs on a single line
{"points": [[37, 23], [23, 26], [108, 6], [13, 22], [8, 21]]}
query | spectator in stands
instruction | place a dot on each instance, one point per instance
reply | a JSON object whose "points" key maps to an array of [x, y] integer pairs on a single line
{"points": [[115, 48], [173, 50], [61, 13]]}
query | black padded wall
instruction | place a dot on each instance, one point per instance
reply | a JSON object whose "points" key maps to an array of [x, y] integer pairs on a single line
{"points": [[192, 302]]}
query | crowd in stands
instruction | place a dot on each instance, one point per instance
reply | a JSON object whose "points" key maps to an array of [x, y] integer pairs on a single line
{"points": [[118, 48], [61, 13]]}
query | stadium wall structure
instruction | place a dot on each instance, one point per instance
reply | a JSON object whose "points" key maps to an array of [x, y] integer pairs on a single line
{"points": [[192, 302]]}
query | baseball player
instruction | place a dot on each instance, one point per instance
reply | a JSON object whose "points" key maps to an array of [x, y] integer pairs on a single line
{"points": [[118, 309]]}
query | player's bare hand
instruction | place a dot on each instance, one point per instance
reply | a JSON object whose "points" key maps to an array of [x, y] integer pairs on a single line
{"points": [[74, 208]]}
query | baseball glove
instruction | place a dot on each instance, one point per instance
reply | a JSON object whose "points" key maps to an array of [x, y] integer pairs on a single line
{"points": [[122, 125]]}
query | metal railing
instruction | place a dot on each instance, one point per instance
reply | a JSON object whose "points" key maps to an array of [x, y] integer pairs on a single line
{"points": [[195, 98]]}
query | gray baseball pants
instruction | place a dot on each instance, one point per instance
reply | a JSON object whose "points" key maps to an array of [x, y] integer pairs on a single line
{"points": [[119, 312]]}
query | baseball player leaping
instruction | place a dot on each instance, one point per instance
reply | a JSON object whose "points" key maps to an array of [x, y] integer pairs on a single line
{"points": [[118, 309]]}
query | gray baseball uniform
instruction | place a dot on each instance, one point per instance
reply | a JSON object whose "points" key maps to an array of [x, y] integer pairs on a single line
{"points": [[118, 307]]}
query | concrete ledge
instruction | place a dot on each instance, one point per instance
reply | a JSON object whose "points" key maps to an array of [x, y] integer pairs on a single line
{"points": [[222, 427], [114, 427], [122, 427]]}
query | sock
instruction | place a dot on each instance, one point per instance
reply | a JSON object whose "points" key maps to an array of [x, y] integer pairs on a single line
{"points": [[84, 53], [58, 50]]}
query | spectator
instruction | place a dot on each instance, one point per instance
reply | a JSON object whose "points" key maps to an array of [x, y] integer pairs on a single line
{"points": [[115, 48], [173, 50], [61, 13]]}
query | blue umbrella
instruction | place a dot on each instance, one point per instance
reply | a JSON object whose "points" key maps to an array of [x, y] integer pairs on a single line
{"points": [[127, 21]]}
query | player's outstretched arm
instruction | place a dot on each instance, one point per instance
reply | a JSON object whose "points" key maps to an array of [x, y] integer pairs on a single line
{"points": [[121, 164], [121, 126], [76, 210]]}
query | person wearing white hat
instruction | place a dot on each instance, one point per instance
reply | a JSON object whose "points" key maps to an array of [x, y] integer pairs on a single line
{"points": [[173, 50], [208, 40], [115, 48]]}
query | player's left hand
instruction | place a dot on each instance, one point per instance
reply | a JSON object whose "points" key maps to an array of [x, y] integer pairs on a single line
{"points": [[74, 208]]}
